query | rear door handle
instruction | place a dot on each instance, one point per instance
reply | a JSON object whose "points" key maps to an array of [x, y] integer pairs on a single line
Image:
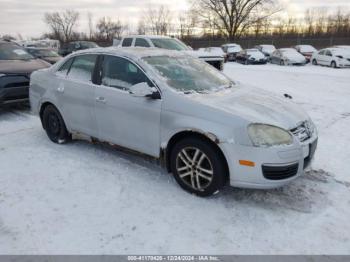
{"points": [[101, 99]]}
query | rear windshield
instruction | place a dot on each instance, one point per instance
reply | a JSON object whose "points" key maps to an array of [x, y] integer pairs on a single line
{"points": [[13, 52]]}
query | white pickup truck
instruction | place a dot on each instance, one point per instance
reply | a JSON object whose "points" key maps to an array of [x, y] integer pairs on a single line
{"points": [[172, 44]]}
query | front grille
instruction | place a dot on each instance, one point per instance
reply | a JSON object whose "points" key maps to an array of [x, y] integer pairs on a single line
{"points": [[15, 80], [217, 64], [280, 172], [303, 132], [18, 84]]}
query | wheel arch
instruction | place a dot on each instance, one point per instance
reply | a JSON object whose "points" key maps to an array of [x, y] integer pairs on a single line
{"points": [[207, 137]]}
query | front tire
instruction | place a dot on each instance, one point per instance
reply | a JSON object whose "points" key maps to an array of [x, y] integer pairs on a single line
{"points": [[198, 167], [54, 126], [334, 64]]}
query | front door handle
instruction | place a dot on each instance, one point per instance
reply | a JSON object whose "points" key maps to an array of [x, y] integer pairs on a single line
{"points": [[101, 99], [60, 89]]}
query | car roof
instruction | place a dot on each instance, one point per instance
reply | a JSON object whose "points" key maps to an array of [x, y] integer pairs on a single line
{"points": [[149, 36], [131, 52]]}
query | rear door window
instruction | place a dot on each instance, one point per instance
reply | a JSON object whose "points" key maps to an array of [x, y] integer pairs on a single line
{"points": [[140, 42], [127, 42], [82, 68]]}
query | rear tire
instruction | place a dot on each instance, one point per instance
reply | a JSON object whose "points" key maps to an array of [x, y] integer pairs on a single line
{"points": [[282, 63], [197, 167], [54, 126]]}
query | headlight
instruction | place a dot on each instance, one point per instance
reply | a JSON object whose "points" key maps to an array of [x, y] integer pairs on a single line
{"points": [[266, 136]]}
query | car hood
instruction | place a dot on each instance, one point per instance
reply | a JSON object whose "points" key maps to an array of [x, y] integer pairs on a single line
{"points": [[296, 57], [22, 66], [345, 55], [257, 55], [268, 51], [255, 105]]}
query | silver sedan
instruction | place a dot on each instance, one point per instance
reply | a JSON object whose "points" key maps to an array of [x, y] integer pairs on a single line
{"points": [[207, 130]]}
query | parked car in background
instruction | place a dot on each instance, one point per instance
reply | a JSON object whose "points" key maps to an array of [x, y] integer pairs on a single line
{"points": [[342, 46], [42, 43], [170, 43], [251, 56], [16, 66], [214, 51], [71, 47], [231, 51], [287, 56], [306, 50], [333, 57], [45, 54], [207, 130], [267, 50]]}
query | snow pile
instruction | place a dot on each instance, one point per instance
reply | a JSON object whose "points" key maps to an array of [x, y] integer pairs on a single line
{"points": [[83, 198]]}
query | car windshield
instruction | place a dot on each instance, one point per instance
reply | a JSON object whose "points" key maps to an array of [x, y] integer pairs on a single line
{"points": [[43, 53], [170, 44], [268, 47], [189, 75], [13, 52], [234, 49]]}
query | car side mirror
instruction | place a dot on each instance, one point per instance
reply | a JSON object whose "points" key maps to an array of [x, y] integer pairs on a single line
{"points": [[144, 90]]}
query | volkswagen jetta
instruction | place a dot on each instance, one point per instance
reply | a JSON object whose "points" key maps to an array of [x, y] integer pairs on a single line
{"points": [[207, 130]]}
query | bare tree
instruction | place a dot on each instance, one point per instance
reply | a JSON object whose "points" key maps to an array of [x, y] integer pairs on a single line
{"points": [[91, 26], [107, 29], [141, 27], [234, 17], [159, 20], [62, 24], [187, 23]]}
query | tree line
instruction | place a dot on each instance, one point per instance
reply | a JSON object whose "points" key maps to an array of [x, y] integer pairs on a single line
{"points": [[217, 19]]}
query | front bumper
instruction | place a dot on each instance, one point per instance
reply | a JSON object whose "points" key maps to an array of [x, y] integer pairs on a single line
{"points": [[344, 64], [218, 63], [274, 167], [14, 89], [257, 62]]}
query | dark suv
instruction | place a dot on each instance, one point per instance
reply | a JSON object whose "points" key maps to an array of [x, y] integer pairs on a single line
{"points": [[16, 66], [76, 46]]}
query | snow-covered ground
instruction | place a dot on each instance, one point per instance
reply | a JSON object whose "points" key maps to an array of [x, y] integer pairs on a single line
{"points": [[82, 198]]}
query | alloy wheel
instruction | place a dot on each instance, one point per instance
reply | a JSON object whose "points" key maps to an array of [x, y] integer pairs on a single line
{"points": [[194, 168]]}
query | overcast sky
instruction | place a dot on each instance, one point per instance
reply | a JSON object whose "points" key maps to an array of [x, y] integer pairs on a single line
{"points": [[26, 16]]}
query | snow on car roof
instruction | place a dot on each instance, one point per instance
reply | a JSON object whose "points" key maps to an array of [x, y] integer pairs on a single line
{"points": [[132, 52]]}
